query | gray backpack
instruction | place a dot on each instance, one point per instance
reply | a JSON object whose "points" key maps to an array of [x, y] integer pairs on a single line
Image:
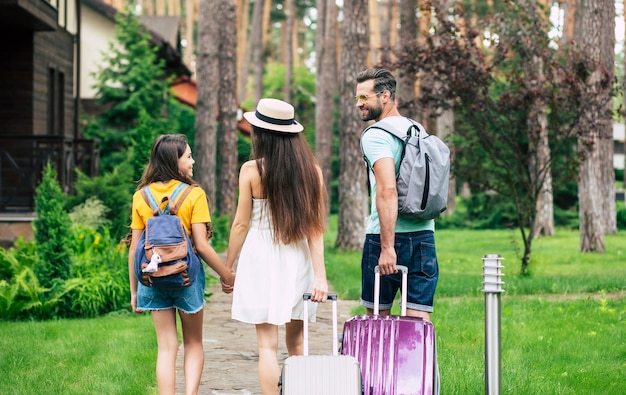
{"points": [[422, 179]]}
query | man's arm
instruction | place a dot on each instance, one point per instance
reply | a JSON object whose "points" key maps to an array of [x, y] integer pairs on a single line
{"points": [[387, 206]]}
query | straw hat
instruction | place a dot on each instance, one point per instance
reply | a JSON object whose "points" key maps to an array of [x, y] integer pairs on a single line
{"points": [[275, 115]]}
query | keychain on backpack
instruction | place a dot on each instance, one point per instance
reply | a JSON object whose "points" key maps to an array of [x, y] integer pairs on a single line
{"points": [[153, 266]]}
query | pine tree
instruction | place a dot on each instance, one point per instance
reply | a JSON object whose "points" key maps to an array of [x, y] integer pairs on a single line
{"points": [[133, 88], [52, 231]]}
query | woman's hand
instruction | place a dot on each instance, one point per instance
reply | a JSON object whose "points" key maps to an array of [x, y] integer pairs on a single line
{"points": [[319, 291]]}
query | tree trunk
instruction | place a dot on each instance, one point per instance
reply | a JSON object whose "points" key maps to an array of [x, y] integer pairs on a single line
{"points": [[325, 88], [208, 77], [445, 127], [405, 91], [595, 32], [227, 115], [569, 11], [353, 197], [606, 35], [539, 166], [256, 49], [243, 51], [445, 121], [374, 33], [385, 32], [290, 11]]}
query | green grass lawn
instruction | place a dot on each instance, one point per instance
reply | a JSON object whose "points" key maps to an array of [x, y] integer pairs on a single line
{"points": [[115, 354], [563, 327]]}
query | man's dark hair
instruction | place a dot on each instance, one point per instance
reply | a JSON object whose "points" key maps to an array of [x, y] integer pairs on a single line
{"points": [[383, 80]]}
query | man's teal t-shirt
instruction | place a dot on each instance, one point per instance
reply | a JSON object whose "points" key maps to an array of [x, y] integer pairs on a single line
{"points": [[378, 144]]}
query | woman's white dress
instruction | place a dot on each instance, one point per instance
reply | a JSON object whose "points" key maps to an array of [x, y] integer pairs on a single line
{"points": [[271, 278]]}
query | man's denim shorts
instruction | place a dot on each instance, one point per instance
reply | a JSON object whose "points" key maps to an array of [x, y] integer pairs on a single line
{"points": [[415, 250], [189, 300]]}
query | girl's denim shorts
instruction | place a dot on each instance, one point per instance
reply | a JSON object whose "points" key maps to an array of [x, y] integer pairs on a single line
{"points": [[189, 300]]}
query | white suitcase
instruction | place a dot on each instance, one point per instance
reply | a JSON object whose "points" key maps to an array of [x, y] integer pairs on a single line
{"points": [[321, 374]]}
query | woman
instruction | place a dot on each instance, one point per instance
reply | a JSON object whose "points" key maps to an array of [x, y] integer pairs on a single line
{"points": [[277, 234], [170, 164]]}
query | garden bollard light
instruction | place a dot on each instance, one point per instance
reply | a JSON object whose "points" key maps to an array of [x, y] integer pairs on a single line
{"points": [[492, 287]]}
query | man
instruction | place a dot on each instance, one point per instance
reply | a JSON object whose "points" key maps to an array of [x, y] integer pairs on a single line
{"points": [[391, 239]]}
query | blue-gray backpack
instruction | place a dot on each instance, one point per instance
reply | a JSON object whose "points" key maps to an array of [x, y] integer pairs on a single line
{"points": [[422, 179], [165, 257]]}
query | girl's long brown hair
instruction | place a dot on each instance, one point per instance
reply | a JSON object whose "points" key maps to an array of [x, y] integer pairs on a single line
{"points": [[291, 184], [163, 163]]}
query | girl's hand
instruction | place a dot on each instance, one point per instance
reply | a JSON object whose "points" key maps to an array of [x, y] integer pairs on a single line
{"points": [[133, 304], [228, 284]]}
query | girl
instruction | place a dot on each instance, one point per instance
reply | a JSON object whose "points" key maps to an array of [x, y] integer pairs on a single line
{"points": [[171, 163], [281, 216]]}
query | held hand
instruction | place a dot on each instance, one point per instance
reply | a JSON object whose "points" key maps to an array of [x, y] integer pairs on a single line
{"points": [[319, 292], [387, 261], [228, 284]]}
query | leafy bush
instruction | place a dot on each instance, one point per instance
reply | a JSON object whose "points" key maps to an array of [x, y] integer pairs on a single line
{"points": [[221, 232], [99, 280], [621, 215], [91, 213], [481, 211], [95, 277], [23, 297], [115, 190]]}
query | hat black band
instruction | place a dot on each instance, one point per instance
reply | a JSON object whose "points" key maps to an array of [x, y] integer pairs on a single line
{"points": [[275, 121]]}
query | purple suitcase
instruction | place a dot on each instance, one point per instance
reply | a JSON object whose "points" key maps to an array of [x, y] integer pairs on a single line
{"points": [[396, 353]]}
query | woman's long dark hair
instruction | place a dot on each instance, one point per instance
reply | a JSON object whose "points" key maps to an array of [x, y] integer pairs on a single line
{"points": [[291, 183], [163, 163]]}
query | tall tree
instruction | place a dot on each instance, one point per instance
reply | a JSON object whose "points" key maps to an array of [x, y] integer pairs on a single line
{"points": [[540, 169], [407, 74], [445, 118], [290, 11], [256, 48], [492, 105], [131, 83], [353, 197], [325, 87], [595, 32], [243, 50], [208, 80], [227, 106], [386, 9]]}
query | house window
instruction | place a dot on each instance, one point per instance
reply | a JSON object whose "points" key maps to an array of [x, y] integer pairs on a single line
{"points": [[56, 103]]}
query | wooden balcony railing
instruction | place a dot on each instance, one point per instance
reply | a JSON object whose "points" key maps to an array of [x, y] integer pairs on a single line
{"points": [[22, 160]]}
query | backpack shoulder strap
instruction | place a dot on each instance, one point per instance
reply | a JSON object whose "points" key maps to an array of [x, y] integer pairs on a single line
{"points": [[186, 189], [150, 200], [421, 130]]}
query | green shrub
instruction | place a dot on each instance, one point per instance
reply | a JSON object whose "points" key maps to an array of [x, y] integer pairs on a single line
{"points": [[621, 215], [52, 231], [91, 213], [99, 278], [115, 190], [23, 297], [221, 232]]}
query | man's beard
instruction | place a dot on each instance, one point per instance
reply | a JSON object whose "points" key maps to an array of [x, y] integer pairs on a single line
{"points": [[372, 113]]}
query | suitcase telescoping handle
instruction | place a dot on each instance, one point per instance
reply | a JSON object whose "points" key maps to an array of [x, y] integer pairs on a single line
{"points": [[306, 297], [403, 290]]}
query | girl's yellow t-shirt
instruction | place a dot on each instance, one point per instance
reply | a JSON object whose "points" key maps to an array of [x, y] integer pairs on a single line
{"points": [[194, 210]]}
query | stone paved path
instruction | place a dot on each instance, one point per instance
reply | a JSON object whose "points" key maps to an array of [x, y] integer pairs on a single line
{"points": [[230, 351]]}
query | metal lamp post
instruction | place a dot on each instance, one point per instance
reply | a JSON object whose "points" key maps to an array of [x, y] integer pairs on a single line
{"points": [[492, 287]]}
